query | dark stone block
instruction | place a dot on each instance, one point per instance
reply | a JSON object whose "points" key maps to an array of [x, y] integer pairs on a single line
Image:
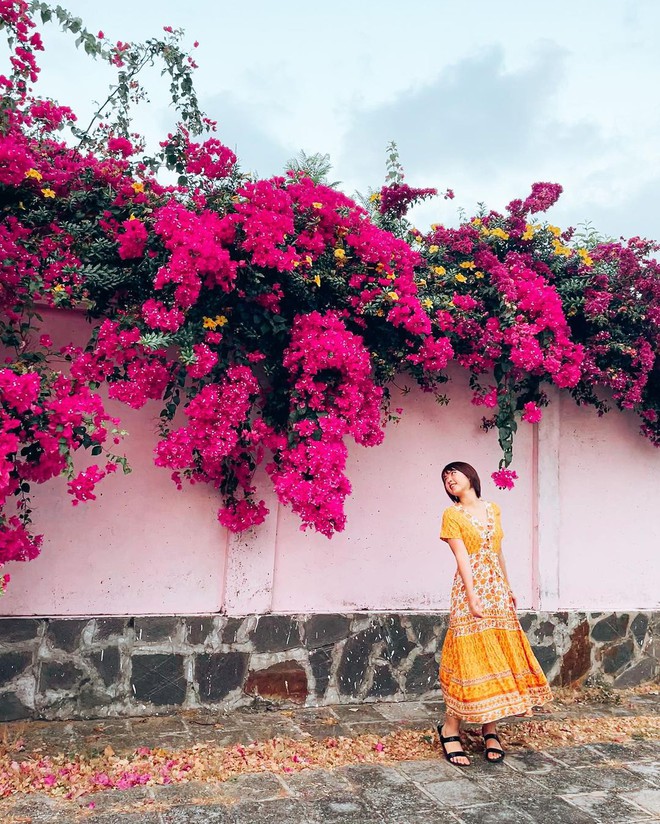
{"points": [[12, 708], [423, 675], [320, 661], [59, 675], [65, 633], [107, 627], [397, 644], [545, 630], [89, 698], [424, 627], [576, 662], [383, 683], [198, 629], [217, 675], [107, 663], [610, 628], [355, 660], [618, 656], [325, 630], [546, 656], [11, 663], [286, 681], [13, 630], [230, 630], [276, 633], [527, 621], [639, 628], [158, 679], [156, 628], [645, 670]]}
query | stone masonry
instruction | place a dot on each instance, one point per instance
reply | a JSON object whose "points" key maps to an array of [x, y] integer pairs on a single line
{"points": [[99, 667]]}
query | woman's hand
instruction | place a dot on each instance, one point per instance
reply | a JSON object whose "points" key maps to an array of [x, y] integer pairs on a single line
{"points": [[476, 607]]}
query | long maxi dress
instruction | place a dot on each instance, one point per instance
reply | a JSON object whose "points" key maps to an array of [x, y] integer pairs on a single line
{"points": [[488, 670]]}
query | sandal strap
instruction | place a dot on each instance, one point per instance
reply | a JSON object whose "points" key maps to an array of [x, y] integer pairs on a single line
{"points": [[451, 738], [458, 754], [490, 735]]}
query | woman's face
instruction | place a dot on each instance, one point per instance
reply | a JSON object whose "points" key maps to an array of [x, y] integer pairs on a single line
{"points": [[456, 482]]}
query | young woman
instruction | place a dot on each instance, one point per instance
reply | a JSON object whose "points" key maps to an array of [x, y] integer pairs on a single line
{"points": [[488, 670]]}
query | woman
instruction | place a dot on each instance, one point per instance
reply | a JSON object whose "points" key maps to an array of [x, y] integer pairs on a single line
{"points": [[488, 670]]}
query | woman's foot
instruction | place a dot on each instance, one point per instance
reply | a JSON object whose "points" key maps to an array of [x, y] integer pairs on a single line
{"points": [[494, 751], [451, 744]]}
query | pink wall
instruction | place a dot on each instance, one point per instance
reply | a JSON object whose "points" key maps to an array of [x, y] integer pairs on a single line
{"points": [[580, 526]]}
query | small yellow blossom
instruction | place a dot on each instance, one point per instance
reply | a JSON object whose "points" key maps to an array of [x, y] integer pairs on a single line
{"points": [[499, 233], [421, 282], [392, 296], [440, 270], [296, 264], [213, 323], [58, 288], [317, 205], [317, 280], [380, 313], [528, 234], [427, 303], [433, 249], [34, 174], [476, 221], [572, 311], [478, 274], [380, 267], [138, 186], [461, 278], [48, 193], [340, 254], [132, 217], [555, 230], [390, 275], [584, 257], [467, 264], [435, 226], [375, 197], [560, 249]]}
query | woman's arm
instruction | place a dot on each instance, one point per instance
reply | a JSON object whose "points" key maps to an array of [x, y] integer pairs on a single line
{"points": [[465, 571]]}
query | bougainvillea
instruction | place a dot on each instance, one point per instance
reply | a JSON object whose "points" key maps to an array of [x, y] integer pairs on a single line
{"points": [[272, 315]]}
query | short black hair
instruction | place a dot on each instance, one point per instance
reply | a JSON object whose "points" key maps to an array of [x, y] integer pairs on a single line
{"points": [[470, 473]]}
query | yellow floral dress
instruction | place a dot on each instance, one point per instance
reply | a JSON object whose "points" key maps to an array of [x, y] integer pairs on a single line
{"points": [[488, 670]]}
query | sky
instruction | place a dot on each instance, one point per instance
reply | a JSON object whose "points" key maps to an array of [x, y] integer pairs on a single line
{"points": [[481, 97]]}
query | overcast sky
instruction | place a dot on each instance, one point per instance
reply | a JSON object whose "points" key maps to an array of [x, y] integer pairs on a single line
{"points": [[482, 97]]}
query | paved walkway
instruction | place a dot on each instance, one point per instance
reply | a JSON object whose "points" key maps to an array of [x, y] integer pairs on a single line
{"points": [[593, 782]]}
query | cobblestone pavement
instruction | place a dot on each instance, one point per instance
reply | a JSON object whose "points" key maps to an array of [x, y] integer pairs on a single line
{"points": [[593, 782]]}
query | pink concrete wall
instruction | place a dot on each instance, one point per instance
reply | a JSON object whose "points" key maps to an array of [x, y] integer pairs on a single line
{"points": [[580, 527]]}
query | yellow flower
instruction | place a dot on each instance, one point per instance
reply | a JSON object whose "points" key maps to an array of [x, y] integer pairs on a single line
{"points": [[433, 249], [427, 303], [213, 323], [380, 313], [390, 275], [58, 288], [317, 280], [392, 296], [340, 254], [435, 226], [132, 217], [137, 186], [476, 221], [317, 205], [560, 249], [467, 264], [374, 197], [440, 270], [34, 174], [500, 233], [555, 230], [584, 257], [380, 267], [421, 282], [478, 274], [461, 278], [48, 193], [528, 234]]}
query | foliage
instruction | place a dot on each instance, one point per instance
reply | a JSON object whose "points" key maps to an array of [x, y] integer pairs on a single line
{"points": [[270, 316]]}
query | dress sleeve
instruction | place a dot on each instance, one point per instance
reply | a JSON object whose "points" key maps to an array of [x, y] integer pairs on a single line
{"points": [[450, 527]]}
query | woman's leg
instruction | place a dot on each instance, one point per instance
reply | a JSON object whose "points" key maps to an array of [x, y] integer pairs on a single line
{"points": [[495, 751], [450, 728]]}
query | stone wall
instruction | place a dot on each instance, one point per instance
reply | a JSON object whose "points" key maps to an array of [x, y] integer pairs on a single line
{"points": [[95, 667]]}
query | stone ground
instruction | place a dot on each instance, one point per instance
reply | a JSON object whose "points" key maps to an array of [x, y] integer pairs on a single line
{"points": [[569, 784]]}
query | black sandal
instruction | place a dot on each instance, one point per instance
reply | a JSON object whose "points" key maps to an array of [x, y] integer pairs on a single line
{"points": [[499, 753], [450, 756]]}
